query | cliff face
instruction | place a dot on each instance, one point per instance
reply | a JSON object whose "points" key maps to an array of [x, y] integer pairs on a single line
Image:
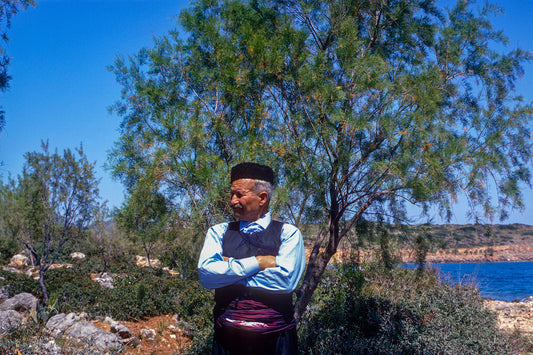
{"points": [[499, 253]]}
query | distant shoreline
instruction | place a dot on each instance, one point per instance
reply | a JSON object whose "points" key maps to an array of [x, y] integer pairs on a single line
{"points": [[486, 254]]}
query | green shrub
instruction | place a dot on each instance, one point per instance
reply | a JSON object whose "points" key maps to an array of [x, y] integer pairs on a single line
{"points": [[180, 260], [20, 340], [373, 311], [19, 283], [196, 307], [8, 248]]}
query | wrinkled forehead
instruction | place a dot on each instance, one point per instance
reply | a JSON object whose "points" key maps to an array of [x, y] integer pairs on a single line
{"points": [[242, 185]]}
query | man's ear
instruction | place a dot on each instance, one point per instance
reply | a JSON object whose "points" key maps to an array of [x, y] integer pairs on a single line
{"points": [[263, 195]]}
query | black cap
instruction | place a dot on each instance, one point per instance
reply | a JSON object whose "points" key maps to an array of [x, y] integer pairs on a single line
{"points": [[252, 171]]}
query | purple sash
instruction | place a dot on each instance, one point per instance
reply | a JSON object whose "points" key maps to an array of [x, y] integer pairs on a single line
{"points": [[254, 317]]}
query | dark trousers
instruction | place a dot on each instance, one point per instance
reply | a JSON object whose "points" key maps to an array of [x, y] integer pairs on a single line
{"points": [[230, 341]]}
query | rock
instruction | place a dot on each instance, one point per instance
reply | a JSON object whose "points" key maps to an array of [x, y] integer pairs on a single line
{"points": [[73, 328], [59, 323], [59, 266], [527, 299], [142, 261], [51, 348], [77, 255], [23, 302], [149, 334], [121, 330], [11, 319], [105, 280], [19, 261], [86, 333], [32, 272], [171, 272], [4, 293], [513, 316]]}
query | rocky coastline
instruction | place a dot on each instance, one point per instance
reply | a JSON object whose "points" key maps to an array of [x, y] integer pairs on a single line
{"points": [[514, 316], [498, 253]]}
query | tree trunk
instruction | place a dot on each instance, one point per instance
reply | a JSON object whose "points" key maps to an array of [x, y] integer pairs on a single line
{"points": [[313, 276], [41, 284]]}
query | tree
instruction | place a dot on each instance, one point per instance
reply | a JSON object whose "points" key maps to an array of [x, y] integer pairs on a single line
{"points": [[10, 219], [144, 216], [59, 194], [361, 107], [8, 8]]}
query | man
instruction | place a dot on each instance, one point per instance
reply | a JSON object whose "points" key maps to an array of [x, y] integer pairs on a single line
{"points": [[254, 265]]}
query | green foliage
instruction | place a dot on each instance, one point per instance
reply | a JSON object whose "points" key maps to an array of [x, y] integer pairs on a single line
{"points": [[20, 340], [180, 259], [58, 195], [19, 283], [144, 215], [11, 216], [196, 307], [8, 248], [400, 312], [137, 294]]}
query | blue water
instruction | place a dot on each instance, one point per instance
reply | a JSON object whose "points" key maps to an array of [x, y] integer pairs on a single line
{"points": [[506, 281]]}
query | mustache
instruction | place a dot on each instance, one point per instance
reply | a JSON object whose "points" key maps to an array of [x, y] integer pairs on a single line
{"points": [[237, 205]]}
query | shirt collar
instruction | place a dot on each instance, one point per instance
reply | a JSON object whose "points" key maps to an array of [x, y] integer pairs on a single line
{"points": [[263, 222]]}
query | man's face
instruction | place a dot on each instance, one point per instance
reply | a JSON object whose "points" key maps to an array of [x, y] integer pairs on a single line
{"points": [[246, 204]]}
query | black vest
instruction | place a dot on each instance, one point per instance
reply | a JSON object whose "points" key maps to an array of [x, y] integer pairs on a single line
{"points": [[238, 246]]}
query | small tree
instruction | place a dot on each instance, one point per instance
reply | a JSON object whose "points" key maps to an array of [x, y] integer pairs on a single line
{"points": [[144, 216], [10, 219], [59, 196]]}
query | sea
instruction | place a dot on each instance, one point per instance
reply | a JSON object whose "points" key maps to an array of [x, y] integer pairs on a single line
{"points": [[503, 281]]}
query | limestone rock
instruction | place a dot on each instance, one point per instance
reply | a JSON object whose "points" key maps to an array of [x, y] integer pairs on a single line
{"points": [[77, 255], [527, 299], [171, 272], [19, 261], [11, 319], [51, 348], [105, 280], [73, 328], [4, 293], [142, 261], [59, 323], [86, 333], [149, 334], [121, 330], [23, 302], [513, 315]]}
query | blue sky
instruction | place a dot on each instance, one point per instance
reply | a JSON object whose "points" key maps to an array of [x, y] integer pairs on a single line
{"points": [[61, 89]]}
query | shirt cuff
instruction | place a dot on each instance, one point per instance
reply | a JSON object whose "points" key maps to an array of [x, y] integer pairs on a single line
{"points": [[250, 265]]}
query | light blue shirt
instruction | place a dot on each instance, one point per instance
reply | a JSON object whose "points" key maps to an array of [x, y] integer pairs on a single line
{"points": [[290, 261]]}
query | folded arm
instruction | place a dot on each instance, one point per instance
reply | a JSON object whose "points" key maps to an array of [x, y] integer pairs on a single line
{"points": [[290, 264], [217, 272], [274, 273]]}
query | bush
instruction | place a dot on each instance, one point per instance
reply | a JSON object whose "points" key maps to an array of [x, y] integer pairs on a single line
{"points": [[197, 309], [403, 311], [182, 261], [19, 283], [8, 248]]}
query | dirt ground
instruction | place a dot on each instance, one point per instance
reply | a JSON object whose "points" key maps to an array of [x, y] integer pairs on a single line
{"points": [[168, 341]]}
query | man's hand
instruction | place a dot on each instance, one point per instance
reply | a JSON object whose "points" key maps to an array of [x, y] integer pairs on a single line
{"points": [[266, 261], [225, 258]]}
